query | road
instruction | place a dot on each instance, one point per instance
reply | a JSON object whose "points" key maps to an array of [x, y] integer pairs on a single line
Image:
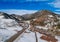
{"points": [[15, 37]]}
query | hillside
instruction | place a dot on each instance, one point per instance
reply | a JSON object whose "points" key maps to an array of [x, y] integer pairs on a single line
{"points": [[42, 26], [37, 14]]}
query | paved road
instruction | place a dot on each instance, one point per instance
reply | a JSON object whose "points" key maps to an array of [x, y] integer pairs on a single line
{"points": [[15, 37]]}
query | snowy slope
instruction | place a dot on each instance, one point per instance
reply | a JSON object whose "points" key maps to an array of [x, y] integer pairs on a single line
{"points": [[28, 37], [7, 28], [38, 36], [58, 37], [5, 34]]}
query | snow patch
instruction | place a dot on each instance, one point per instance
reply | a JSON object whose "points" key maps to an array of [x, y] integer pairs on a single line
{"points": [[7, 28], [28, 37], [41, 27], [58, 37]]}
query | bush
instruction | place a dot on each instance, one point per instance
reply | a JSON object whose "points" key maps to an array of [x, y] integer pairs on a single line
{"points": [[58, 26]]}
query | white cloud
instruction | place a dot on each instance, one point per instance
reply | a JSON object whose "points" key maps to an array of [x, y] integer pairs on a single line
{"points": [[19, 12], [57, 12], [55, 3]]}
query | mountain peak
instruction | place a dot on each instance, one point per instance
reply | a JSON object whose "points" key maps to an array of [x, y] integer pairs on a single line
{"points": [[45, 12]]}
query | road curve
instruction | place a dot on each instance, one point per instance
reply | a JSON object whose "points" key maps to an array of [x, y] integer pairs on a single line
{"points": [[14, 37]]}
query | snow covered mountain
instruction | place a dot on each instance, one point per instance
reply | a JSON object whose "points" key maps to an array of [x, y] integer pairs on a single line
{"points": [[12, 16], [45, 22], [42, 26], [46, 19], [8, 26]]}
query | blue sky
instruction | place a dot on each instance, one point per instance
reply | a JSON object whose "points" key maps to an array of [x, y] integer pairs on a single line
{"points": [[34, 5]]}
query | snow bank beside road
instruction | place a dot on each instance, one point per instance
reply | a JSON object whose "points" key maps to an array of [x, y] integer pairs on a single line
{"points": [[8, 28], [28, 37]]}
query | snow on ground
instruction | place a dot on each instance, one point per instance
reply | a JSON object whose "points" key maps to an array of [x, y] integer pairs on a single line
{"points": [[28, 37], [50, 15], [38, 36], [9, 24], [41, 27], [15, 28], [1, 38], [7, 28], [1, 17], [5, 34], [58, 37]]}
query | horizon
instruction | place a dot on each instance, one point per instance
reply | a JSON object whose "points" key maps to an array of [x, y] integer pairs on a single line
{"points": [[22, 12], [31, 6]]}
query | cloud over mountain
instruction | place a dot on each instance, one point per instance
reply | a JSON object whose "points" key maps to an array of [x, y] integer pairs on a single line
{"points": [[19, 12]]}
